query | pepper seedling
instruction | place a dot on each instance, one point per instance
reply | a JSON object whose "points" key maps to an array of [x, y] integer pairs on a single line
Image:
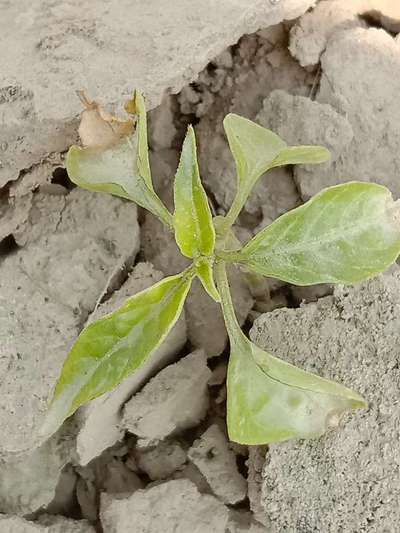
{"points": [[344, 234]]}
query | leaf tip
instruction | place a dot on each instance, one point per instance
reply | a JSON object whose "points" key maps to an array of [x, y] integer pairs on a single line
{"points": [[190, 134], [84, 98], [136, 104], [71, 162], [52, 420], [325, 154], [228, 118]]}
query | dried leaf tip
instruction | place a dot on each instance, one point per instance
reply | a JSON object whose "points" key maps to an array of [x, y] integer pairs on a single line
{"points": [[98, 128], [83, 97], [135, 105]]}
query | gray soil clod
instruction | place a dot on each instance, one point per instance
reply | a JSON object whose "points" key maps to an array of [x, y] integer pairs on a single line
{"points": [[309, 38], [80, 46], [108, 473], [367, 58], [174, 400], [29, 481], [300, 120], [46, 524], [46, 290], [243, 522], [162, 460], [349, 479], [255, 465], [212, 456], [172, 507]]}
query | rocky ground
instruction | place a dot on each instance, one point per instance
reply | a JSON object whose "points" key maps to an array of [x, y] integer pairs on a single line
{"points": [[153, 455]]}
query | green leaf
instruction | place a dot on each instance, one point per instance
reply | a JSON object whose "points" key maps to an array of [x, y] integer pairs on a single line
{"points": [[272, 401], [256, 150], [121, 168], [204, 271], [344, 234], [110, 349], [194, 229], [301, 155], [136, 107], [253, 147]]}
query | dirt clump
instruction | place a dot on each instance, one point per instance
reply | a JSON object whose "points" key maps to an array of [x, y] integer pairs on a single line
{"points": [[46, 524], [173, 507], [109, 473], [347, 480], [212, 456], [367, 57], [162, 460], [174, 400], [55, 49], [47, 291]]}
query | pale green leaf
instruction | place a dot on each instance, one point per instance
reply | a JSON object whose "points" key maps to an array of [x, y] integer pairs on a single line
{"points": [[344, 234], [204, 271], [121, 168], [137, 107], [301, 155], [194, 229], [110, 349], [270, 400], [256, 150], [253, 147]]}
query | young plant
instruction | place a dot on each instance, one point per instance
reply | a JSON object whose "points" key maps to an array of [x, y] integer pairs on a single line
{"points": [[344, 234]]}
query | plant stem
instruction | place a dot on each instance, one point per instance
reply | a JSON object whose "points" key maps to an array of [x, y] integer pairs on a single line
{"points": [[233, 213], [237, 205], [231, 322], [229, 256]]}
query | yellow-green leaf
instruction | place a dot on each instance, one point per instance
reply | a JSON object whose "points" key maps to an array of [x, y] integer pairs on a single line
{"points": [[204, 271], [253, 147], [256, 150], [136, 107], [119, 167], [344, 234], [194, 229], [301, 155], [270, 400], [110, 349]]}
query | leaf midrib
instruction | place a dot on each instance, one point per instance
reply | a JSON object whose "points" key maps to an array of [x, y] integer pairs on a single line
{"points": [[124, 341], [307, 245]]}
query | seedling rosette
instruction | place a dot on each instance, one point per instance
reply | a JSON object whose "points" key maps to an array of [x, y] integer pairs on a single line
{"points": [[345, 234]]}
